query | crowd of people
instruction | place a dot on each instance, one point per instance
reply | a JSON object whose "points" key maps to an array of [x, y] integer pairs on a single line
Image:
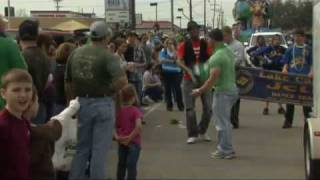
{"points": [[106, 79]]}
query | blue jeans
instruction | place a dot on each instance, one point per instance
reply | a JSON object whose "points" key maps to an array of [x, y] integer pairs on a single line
{"points": [[128, 160], [222, 104], [95, 124]]}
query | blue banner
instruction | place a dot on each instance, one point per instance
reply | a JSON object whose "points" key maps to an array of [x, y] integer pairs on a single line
{"points": [[271, 86]]}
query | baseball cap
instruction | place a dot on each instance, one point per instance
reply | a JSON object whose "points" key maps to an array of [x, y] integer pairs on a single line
{"points": [[29, 29], [192, 24], [100, 29]]}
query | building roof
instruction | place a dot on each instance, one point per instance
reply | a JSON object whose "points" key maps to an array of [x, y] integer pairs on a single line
{"points": [[150, 25], [62, 12], [49, 23]]}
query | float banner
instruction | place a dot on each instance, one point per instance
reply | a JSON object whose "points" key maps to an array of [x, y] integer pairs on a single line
{"points": [[262, 85]]}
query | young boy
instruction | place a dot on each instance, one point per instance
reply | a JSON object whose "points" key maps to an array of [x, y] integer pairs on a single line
{"points": [[14, 129]]}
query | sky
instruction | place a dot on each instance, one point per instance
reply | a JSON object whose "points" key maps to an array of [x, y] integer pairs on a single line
{"points": [[142, 7]]}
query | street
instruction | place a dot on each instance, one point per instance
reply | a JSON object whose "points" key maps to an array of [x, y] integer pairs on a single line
{"points": [[264, 149]]}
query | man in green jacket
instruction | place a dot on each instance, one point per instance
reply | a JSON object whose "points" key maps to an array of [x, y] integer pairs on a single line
{"points": [[10, 55]]}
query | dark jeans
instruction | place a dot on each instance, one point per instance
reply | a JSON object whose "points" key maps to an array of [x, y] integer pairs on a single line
{"points": [[41, 117], [128, 160], [138, 86], [194, 129], [172, 85], [155, 93], [235, 113], [290, 112]]}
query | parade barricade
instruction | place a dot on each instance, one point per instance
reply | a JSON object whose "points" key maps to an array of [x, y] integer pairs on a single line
{"points": [[272, 86]]}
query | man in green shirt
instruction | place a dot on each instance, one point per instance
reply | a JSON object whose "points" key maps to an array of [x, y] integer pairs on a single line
{"points": [[10, 55], [94, 75], [222, 78]]}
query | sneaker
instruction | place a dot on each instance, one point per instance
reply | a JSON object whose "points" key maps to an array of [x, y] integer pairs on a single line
{"points": [[235, 126], [204, 137], [265, 111], [220, 155], [281, 110], [147, 100], [191, 140], [169, 109], [181, 108], [287, 125]]}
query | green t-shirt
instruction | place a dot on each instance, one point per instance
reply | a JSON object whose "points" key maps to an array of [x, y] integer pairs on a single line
{"points": [[10, 57], [91, 70], [224, 60]]}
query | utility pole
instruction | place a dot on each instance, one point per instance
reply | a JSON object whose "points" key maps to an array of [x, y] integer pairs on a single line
{"points": [[214, 13], [221, 15], [190, 8], [222, 18], [172, 15], [9, 14], [205, 17], [218, 20], [57, 4]]}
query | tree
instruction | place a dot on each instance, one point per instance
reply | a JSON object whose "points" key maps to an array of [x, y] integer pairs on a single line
{"points": [[291, 14]]}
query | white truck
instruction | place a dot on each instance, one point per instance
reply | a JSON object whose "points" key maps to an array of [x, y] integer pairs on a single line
{"points": [[312, 126], [268, 39]]}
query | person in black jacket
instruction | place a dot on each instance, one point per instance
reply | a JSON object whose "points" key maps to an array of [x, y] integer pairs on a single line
{"points": [[192, 55]]}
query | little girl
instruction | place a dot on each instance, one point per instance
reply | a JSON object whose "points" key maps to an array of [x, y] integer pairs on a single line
{"points": [[128, 129]]}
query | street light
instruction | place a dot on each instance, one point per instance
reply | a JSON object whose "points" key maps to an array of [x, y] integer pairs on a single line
{"points": [[179, 17], [156, 5], [181, 10]]}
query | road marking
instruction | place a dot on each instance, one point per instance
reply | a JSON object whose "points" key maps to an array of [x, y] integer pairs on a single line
{"points": [[154, 107]]}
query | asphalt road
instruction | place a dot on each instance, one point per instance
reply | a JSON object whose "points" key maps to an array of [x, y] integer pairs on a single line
{"points": [[264, 150]]}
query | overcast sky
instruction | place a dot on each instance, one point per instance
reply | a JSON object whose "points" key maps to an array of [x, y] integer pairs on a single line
{"points": [[142, 6]]}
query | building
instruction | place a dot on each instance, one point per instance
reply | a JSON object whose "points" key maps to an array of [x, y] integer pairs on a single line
{"points": [[164, 26], [61, 14], [49, 22]]}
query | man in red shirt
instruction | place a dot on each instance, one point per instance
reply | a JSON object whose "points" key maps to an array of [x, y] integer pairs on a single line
{"points": [[192, 56]]}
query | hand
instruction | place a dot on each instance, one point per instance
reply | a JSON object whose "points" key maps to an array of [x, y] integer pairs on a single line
{"points": [[131, 66], [74, 104], [285, 71], [196, 92], [310, 75], [124, 140], [193, 78]]}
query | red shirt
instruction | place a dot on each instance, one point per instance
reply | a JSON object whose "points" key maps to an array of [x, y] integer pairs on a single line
{"points": [[196, 49], [126, 122], [14, 147]]}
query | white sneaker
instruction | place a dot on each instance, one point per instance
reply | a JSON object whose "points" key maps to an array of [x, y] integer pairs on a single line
{"points": [[204, 137], [147, 100], [191, 140]]}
